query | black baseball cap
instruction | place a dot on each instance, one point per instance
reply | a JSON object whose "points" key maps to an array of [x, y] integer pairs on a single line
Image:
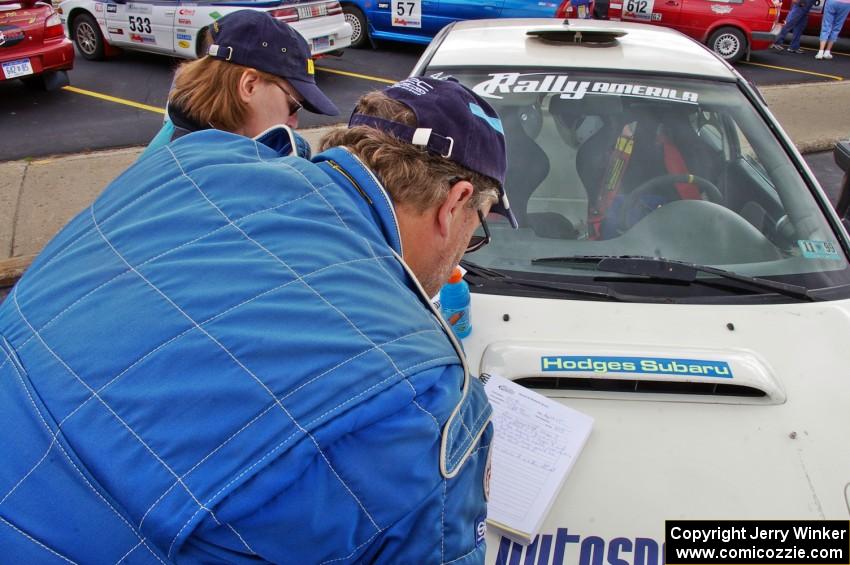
{"points": [[256, 39], [453, 122]]}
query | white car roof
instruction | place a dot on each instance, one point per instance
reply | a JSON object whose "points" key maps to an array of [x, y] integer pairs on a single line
{"points": [[643, 48]]}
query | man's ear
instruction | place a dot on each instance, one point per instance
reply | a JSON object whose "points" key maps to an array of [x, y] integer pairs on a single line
{"points": [[450, 210], [248, 83]]}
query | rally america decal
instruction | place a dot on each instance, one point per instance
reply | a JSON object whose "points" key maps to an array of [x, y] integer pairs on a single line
{"points": [[542, 83], [139, 38]]}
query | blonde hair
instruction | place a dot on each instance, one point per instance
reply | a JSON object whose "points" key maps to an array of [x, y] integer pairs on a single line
{"points": [[410, 173], [207, 91]]}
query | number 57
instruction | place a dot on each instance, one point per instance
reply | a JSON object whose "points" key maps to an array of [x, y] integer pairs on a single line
{"points": [[400, 10]]}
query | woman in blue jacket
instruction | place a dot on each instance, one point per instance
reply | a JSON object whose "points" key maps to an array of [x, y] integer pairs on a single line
{"points": [[256, 76]]}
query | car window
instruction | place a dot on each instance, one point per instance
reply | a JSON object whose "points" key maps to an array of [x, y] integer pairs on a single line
{"points": [[682, 169]]}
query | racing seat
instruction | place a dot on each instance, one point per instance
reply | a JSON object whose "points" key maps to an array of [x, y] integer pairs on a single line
{"points": [[656, 137], [528, 167]]}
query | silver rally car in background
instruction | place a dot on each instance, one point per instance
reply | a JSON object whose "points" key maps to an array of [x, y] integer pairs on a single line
{"points": [[678, 275], [178, 28]]}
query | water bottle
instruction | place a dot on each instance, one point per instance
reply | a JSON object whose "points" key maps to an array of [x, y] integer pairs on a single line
{"points": [[454, 304]]}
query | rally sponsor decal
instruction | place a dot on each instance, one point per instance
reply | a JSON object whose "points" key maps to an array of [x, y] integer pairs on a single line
{"points": [[185, 36], [185, 12], [98, 7], [112, 8], [635, 365], [115, 30], [10, 36], [406, 13], [183, 44], [184, 21], [139, 8], [215, 15], [567, 547], [721, 8], [640, 10], [542, 83], [146, 39]]}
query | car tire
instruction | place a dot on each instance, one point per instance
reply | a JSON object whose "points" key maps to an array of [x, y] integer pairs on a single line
{"points": [[729, 43], [87, 37], [359, 29]]}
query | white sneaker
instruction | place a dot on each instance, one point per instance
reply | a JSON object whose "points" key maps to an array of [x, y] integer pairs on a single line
{"points": [[819, 55], [827, 55]]}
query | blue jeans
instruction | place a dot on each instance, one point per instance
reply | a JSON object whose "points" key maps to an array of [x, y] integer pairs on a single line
{"points": [[795, 22], [834, 14]]}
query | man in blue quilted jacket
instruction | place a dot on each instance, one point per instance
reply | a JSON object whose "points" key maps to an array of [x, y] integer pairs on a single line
{"points": [[231, 356]]}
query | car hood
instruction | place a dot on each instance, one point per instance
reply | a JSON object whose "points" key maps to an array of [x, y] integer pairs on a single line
{"points": [[689, 453]]}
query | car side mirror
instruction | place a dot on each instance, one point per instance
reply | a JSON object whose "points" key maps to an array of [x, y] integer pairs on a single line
{"points": [[841, 154]]}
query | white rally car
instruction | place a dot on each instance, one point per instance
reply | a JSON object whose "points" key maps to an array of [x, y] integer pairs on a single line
{"points": [[678, 275], [178, 28]]}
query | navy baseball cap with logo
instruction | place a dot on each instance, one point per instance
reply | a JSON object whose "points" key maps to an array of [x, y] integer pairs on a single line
{"points": [[453, 122], [256, 39]]}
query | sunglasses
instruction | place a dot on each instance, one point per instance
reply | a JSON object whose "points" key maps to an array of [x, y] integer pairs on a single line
{"points": [[478, 241], [295, 105]]}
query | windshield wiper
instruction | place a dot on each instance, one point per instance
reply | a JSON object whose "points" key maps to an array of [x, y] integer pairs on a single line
{"points": [[658, 268], [597, 291]]}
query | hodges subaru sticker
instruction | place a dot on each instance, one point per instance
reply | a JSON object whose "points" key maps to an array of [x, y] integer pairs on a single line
{"points": [[636, 365]]}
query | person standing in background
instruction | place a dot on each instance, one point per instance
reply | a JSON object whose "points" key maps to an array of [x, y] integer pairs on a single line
{"points": [[795, 22], [834, 14]]}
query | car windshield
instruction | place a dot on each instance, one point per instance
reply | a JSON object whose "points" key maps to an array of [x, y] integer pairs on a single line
{"points": [[615, 165]]}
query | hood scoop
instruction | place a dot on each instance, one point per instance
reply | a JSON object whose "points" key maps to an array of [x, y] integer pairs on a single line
{"points": [[629, 372]]}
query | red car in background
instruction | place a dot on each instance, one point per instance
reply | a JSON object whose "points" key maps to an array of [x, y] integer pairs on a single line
{"points": [[731, 28], [815, 16], [33, 46]]}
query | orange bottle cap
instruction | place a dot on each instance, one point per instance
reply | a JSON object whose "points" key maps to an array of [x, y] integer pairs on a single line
{"points": [[457, 276]]}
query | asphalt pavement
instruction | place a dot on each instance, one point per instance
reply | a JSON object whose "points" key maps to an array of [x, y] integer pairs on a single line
{"points": [[118, 102]]}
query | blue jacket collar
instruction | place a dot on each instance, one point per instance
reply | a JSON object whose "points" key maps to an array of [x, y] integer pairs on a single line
{"points": [[280, 139], [349, 171]]}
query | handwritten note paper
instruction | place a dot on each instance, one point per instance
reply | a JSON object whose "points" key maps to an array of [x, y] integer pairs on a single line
{"points": [[536, 442]]}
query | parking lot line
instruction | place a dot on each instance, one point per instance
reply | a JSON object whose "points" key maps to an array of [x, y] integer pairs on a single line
{"points": [[114, 99], [793, 70], [356, 75]]}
